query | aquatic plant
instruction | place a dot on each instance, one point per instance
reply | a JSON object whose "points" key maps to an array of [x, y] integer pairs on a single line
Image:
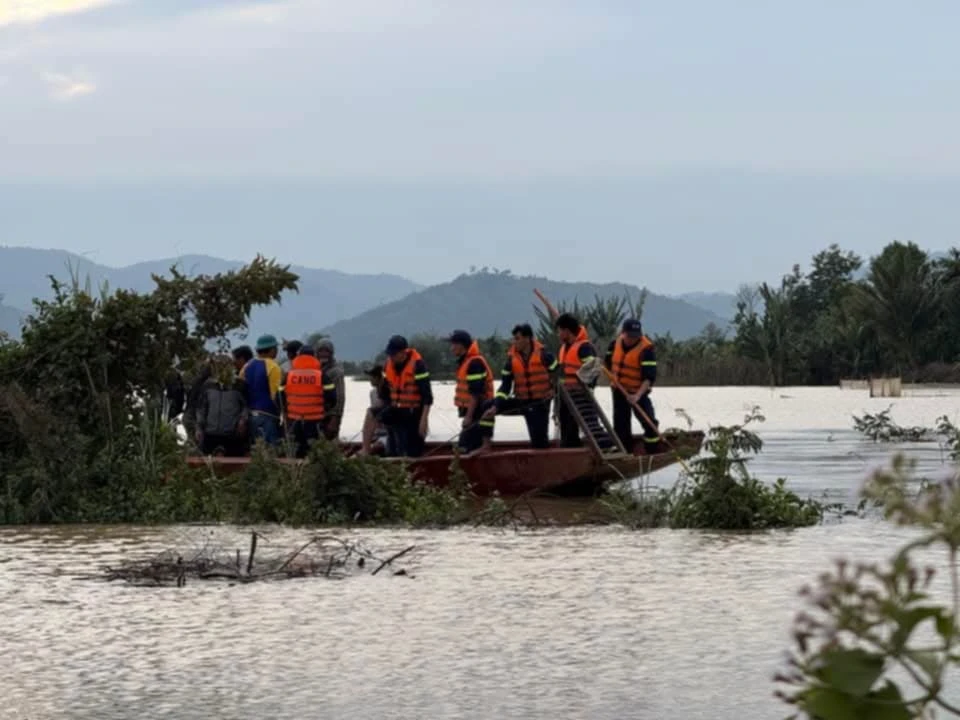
{"points": [[716, 491], [880, 427], [873, 641]]}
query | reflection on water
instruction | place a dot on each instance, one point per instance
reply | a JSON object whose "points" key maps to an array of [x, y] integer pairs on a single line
{"points": [[567, 623]]}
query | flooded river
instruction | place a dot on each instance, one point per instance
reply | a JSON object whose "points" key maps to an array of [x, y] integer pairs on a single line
{"points": [[595, 623]]}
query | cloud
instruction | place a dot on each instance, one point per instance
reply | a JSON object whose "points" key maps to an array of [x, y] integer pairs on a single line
{"points": [[33, 11], [64, 87]]}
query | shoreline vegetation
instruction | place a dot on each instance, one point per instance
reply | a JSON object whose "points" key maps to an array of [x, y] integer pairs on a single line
{"points": [[85, 436]]}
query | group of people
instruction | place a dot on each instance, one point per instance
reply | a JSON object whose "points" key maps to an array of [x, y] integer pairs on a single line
{"points": [[250, 396], [403, 397]]}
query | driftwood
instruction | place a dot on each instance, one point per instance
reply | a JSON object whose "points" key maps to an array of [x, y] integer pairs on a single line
{"points": [[321, 556]]}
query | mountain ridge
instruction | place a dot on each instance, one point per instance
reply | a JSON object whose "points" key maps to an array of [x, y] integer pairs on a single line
{"points": [[488, 303]]}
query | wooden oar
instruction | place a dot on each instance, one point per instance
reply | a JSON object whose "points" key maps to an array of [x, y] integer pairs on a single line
{"points": [[616, 385]]}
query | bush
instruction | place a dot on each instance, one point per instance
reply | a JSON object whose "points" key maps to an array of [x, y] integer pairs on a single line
{"points": [[873, 642]]}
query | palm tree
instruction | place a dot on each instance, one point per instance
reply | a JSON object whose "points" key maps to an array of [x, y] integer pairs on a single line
{"points": [[900, 301]]}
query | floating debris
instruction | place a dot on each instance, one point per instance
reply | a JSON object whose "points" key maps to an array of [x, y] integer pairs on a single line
{"points": [[325, 556]]}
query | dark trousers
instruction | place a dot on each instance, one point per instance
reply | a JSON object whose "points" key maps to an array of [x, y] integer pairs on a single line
{"points": [[403, 431], [229, 445], [264, 427], [472, 436], [569, 429], [536, 413], [623, 415], [305, 432]]}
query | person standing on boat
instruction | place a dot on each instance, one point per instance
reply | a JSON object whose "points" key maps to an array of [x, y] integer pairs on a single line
{"points": [[528, 374], [334, 413], [576, 357], [308, 391], [474, 388], [263, 378], [633, 362], [374, 435], [292, 349], [408, 398], [221, 414]]}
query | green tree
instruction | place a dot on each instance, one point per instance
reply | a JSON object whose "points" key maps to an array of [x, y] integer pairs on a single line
{"points": [[900, 301]]}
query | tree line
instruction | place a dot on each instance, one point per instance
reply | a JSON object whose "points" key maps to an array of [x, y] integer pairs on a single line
{"points": [[896, 314]]}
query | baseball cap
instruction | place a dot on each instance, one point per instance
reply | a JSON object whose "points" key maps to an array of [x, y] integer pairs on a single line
{"points": [[460, 336], [632, 328]]}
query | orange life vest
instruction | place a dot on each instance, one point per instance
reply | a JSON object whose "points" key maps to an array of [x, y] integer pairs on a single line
{"points": [[628, 363], [531, 380], [462, 397], [569, 357], [304, 389], [404, 392]]}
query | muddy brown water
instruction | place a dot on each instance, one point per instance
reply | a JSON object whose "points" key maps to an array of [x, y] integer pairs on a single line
{"points": [[576, 622]]}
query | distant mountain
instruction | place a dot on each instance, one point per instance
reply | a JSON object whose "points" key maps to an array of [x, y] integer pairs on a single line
{"points": [[325, 296], [484, 303], [10, 319], [719, 303]]}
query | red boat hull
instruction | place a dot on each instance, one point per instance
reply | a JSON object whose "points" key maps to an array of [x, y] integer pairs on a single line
{"points": [[513, 468]]}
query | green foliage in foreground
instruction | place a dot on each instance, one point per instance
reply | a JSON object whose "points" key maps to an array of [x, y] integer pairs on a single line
{"points": [[875, 641], [717, 491]]}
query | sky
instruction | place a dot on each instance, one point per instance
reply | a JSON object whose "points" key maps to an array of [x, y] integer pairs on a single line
{"points": [[683, 145]]}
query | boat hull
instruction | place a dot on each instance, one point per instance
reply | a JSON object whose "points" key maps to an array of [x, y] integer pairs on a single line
{"points": [[513, 468]]}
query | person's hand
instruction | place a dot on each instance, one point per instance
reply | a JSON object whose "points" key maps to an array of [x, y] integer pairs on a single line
{"points": [[424, 428], [491, 411], [198, 436], [466, 422], [634, 398]]}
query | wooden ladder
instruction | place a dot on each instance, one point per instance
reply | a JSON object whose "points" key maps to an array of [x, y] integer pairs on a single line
{"points": [[593, 422]]}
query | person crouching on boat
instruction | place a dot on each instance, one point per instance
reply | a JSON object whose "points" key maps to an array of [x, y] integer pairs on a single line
{"points": [[474, 388], [632, 361], [262, 377], [408, 398], [374, 436], [527, 373], [221, 413], [307, 392]]}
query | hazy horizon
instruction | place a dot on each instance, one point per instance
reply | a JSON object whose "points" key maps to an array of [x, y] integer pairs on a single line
{"points": [[688, 146]]}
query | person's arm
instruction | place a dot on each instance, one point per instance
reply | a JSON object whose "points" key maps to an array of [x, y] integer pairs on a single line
{"points": [[506, 383], [477, 387], [330, 395], [648, 369], [341, 389], [608, 358], [275, 381], [549, 361], [422, 377], [200, 415]]}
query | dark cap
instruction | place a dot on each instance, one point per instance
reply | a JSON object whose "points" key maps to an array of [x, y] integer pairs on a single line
{"points": [[306, 350], [461, 337], [396, 344], [293, 346], [632, 328]]}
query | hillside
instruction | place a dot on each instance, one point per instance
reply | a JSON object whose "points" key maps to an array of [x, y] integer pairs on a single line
{"points": [[325, 296], [719, 303], [484, 303]]}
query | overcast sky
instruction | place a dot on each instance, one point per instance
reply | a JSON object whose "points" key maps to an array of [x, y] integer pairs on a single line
{"points": [[494, 97]]}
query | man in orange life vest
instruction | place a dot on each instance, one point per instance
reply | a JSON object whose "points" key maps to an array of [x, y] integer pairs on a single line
{"points": [[633, 362], [306, 394], [474, 389], [407, 398], [576, 354], [528, 373]]}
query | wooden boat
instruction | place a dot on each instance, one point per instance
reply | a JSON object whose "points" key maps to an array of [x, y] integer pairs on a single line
{"points": [[513, 468]]}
